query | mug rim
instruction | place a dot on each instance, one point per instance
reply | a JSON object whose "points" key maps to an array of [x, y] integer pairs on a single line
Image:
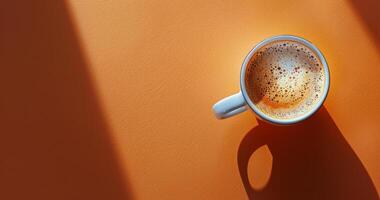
{"points": [[256, 110]]}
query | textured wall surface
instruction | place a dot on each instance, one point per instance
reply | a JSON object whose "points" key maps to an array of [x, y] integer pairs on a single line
{"points": [[111, 99]]}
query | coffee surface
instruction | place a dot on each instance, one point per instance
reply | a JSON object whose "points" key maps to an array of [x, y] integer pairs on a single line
{"points": [[285, 79]]}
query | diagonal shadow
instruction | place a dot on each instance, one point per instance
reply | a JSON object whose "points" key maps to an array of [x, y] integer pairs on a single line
{"points": [[311, 160], [368, 10], [54, 140]]}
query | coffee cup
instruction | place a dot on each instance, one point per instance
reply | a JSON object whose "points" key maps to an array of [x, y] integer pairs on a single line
{"points": [[284, 80]]}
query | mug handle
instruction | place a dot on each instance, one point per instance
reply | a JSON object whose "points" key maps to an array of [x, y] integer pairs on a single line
{"points": [[230, 106]]}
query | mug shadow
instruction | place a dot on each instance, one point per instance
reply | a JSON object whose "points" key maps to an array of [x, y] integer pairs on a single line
{"points": [[311, 160]]}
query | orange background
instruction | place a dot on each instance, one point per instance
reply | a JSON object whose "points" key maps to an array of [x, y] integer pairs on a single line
{"points": [[112, 100]]}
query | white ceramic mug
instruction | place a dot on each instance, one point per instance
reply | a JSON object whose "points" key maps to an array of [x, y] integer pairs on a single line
{"points": [[240, 102]]}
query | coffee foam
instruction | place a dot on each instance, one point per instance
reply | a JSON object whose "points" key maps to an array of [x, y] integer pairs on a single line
{"points": [[285, 79]]}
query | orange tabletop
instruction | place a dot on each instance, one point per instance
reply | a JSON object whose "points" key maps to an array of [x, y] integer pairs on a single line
{"points": [[112, 100]]}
